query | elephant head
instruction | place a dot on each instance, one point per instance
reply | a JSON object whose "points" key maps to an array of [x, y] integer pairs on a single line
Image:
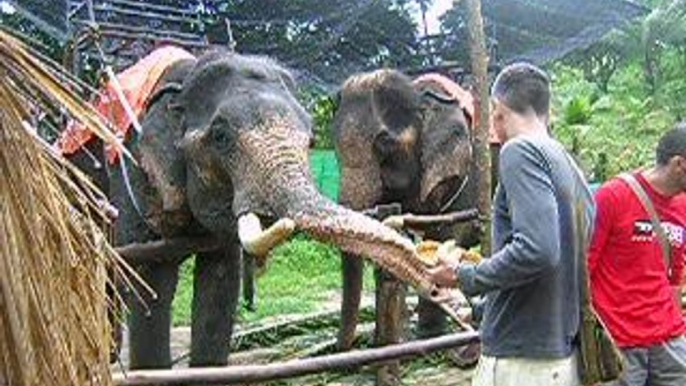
{"points": [[241, 152], [401, 141]]}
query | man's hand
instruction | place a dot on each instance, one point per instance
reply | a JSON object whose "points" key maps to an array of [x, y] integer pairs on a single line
{"points": [[443, 276], [445, 272]]}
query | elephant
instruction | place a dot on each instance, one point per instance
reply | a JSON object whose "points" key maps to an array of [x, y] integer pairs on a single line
{"points": [[406, 142], [223, 149]]}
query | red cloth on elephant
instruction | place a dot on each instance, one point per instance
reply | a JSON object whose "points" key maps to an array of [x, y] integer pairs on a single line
{"points": [[463, 97], [137, 83]]}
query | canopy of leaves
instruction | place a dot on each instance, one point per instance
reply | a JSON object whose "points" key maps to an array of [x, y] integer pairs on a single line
{"points": [[328, 39]]}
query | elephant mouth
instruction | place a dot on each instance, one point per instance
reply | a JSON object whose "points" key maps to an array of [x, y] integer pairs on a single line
{"points": [[442, 197]]}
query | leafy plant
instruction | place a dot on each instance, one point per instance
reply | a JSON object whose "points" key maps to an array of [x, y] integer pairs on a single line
{"points": [[578, 111], [322, 113]]}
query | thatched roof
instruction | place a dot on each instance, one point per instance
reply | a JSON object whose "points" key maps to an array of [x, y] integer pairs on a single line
{"points": [[54, 258]]}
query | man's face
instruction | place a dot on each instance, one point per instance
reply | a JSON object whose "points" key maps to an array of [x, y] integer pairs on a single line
{"points": [[500, 118], [678, 166]]}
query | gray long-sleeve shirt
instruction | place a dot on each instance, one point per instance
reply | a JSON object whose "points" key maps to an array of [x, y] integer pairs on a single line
{"points": [[532, 280]]}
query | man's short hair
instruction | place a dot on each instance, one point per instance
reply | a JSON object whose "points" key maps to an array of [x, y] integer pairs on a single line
{"points": [[521, 86], [672, 143]]}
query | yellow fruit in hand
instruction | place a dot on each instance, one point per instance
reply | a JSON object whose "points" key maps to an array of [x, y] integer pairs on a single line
{"points": [[431, 252]]}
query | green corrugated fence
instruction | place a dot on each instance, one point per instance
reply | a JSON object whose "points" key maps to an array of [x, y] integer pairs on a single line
{"points": [[324, 166]]}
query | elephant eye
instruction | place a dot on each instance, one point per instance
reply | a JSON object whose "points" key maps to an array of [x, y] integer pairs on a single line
{"points": [[459, 130], [222, 135]]}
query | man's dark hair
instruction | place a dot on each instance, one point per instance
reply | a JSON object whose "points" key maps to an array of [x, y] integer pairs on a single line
{"points": [[521, 86], [672, 143]]}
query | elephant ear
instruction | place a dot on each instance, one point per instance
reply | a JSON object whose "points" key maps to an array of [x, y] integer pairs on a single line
{"points": [[360, 171], [446, 146], [160, 157]]}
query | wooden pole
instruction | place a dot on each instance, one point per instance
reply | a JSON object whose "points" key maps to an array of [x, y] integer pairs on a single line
{"points": [[274, 371], [479, 58], [421, 221], [166, 250], [390, 309]]}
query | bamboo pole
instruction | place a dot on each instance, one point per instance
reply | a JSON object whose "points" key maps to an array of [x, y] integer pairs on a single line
{"points": [[479, 58], [270, 372]]}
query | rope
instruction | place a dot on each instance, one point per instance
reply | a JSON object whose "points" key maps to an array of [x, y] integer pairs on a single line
{"points": [[127, 108]]}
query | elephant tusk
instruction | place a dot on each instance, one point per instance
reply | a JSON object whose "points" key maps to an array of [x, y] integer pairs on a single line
{"points": [[259, 242]]}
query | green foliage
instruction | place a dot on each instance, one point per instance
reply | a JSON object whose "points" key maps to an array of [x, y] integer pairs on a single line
{"points": [[322, 107], [183, 299], [327, 37], [301, 275], [578, 111], [322, 113], [616, 131]]}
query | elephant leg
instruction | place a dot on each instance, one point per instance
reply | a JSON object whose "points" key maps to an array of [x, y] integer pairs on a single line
{"points": [[216, 289], [353, 269], [150, 322], [249, 283], [432, 320]]}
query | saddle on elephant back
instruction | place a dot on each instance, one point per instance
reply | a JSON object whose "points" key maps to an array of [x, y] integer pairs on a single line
{"points": [[137, 84]]}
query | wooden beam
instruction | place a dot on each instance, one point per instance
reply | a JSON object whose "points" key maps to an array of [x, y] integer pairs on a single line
{"points": [[264, 373], [167, 249], [118, 27], [162, 8], [416, 221]]}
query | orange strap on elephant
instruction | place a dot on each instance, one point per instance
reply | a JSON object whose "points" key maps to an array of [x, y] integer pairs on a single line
{"points": [[465, 99], [138, 83]]}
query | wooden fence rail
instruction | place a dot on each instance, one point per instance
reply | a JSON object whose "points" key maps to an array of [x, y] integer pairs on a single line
{"points": [[276, 371]]}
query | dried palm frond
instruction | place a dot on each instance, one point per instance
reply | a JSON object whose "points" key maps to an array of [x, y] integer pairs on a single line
{"points": [[54, 258]]}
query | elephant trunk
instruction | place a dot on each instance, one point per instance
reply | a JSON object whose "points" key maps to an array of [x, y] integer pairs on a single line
{"points": [[358, 234], [278, 174]]}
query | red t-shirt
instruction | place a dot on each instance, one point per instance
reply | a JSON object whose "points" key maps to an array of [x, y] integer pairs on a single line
{"points": [[629, 284]]}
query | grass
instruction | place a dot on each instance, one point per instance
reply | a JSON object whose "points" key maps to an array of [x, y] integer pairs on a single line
{"points": [[302, 274]]}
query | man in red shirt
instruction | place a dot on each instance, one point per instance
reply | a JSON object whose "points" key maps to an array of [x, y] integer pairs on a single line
{"points": [[631, 289]]}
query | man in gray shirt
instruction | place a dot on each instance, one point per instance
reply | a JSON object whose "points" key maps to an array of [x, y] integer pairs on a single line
{"points": [[532, 281]]}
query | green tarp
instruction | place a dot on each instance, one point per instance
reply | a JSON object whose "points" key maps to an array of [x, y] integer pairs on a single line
{"points": [[324, 166]]}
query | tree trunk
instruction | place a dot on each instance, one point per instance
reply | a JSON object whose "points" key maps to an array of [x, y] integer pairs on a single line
{"points": [[480, 70]]}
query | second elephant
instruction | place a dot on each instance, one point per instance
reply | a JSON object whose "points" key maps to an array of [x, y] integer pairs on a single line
{"points": [[408, 142]]}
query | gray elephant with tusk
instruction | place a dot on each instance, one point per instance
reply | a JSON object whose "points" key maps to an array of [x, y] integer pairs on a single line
{"points": [[404, 141], [223, 149]]}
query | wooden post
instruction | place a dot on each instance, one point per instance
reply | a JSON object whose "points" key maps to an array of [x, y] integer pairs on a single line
{"points": [[390, 322], [479, 56], [390, 308]]}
